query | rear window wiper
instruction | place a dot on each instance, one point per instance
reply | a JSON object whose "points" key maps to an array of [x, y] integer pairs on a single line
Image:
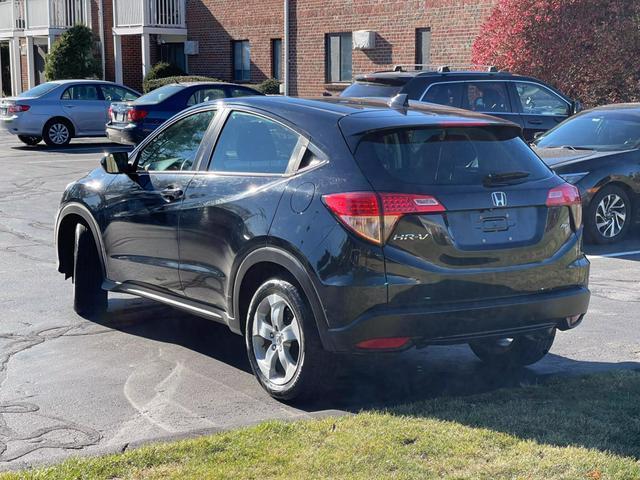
{"points": [[504, 178]]}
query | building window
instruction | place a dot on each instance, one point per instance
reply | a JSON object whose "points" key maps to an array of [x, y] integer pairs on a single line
{"points": [[423, 46], [241, 61], [276, 58], [338, 57], [173, 53]]}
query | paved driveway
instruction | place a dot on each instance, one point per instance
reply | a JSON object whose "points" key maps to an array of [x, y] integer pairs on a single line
{"points": [[69, 386]]}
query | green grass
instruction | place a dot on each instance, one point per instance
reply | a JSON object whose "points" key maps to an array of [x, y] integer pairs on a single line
{"points": [[579, 428]]}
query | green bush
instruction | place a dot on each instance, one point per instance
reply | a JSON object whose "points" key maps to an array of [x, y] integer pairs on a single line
{"points": [[270, 86], [161, 82], [72, 56], [162, 70]]}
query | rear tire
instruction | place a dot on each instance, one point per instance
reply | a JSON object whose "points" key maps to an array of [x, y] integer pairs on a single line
{"points": [[608, 216], [514, 353], [57, 132], [30, 140], [283, 344], [89, 299]]}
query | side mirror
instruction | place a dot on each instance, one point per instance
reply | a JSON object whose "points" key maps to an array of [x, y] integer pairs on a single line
{"points": [[576, 107], [117, 162]]}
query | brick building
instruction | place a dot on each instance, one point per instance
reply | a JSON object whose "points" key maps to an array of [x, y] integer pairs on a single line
{"points": [[329, 41]]}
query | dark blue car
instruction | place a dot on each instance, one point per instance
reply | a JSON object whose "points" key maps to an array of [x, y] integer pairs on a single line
{"points": [[132, 122]]}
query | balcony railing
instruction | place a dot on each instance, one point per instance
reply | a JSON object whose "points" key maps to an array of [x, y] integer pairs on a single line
{"points": [[56, 13], [150, 13], [11, 15]]}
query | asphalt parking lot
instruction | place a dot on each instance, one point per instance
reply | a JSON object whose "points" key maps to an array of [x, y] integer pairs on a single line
{"points": [[69, 386]]}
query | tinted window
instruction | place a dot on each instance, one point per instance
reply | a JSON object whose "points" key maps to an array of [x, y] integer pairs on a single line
{"points": [[448, 94], [38, 91], [117, 94], [485, 97], [81, 92], [205, 95], [537, 100], [595, 130], [175, 148], [241, 92], [367, 89], [452, 156], [159, 94], [249, 143]]}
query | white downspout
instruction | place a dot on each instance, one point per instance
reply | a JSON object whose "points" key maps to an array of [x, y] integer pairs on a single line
{"points": [[101, 28], [286, 47]]}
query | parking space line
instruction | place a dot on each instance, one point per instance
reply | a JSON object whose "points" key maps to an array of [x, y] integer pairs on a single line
{"points": [[615, 255]]}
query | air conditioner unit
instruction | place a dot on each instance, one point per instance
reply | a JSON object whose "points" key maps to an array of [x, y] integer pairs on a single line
{"points": [[364, 40], [191, 47]]}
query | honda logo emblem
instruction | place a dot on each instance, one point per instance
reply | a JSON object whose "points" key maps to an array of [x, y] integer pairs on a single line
{"points": [[499, 199]]}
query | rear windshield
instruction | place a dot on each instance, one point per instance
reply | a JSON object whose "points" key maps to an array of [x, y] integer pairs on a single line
{"points": [[159, 95], [446, 156], [361, 89], [40, 90]]}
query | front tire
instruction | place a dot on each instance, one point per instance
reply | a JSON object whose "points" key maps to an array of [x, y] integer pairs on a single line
{"points": [[89, 299], [57, 132], [283, 344], [514, 352], [608, 216], [30, 140]]}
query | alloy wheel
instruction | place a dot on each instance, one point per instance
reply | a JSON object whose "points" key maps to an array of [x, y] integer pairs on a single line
{"points": [[611, 215], [276, 337], [59, 133]]}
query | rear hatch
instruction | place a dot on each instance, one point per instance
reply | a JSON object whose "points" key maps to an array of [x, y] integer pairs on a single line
{"points": [[470, 213]]}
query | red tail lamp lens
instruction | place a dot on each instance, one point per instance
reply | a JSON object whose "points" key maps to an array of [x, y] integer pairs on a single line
{"points": [[384, 343]]}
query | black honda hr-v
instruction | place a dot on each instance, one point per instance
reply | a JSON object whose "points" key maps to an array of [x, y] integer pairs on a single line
{"points": [[316, 227]]}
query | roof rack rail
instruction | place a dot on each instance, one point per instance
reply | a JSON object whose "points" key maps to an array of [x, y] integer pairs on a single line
{"points": [[445, 68]]}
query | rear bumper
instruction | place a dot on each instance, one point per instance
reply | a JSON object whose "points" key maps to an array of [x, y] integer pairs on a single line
{"points": [[465, 321], [125, 135]]}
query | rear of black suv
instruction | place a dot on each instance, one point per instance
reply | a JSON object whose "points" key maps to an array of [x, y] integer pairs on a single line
{"points": [[479, 242]]}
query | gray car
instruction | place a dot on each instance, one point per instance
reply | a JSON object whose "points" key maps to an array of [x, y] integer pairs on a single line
{"points": [[61, 110]]}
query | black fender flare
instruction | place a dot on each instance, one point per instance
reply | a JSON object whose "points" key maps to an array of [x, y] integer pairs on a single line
{"points": [[74, 208], [291, 263]]}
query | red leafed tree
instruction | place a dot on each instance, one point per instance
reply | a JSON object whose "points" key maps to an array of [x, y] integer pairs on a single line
{"points": [[589, 49]]}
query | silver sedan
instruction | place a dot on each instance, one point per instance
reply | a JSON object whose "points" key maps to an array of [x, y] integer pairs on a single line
{"points": [[61, 110]]}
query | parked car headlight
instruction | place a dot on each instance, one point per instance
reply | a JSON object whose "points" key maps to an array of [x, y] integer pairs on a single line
{"points": [[573, 178]]}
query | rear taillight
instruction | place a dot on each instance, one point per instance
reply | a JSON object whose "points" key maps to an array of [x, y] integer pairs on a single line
{"points": [[567, 195], [135, 115], [374, 216], [110, 112], [18, 108]]}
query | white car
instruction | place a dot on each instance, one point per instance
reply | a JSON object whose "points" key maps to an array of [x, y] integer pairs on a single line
{"points": [[61, 110]]}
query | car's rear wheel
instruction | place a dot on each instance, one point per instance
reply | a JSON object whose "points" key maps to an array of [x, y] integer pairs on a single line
{"points": [[514, 352], [608, 216], [57, 132], [29, 140], [89, 299], [283, 343]]}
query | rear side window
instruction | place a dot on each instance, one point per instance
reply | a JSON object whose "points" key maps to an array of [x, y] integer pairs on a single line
{"points": [[446, 156], [252, 144], [448, 94], [368, 89]]}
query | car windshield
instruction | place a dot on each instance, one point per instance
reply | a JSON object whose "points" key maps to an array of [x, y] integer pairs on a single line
{"points": [[595, 130], [159, 95], [367, 89], [40, 90], [448, 156]]}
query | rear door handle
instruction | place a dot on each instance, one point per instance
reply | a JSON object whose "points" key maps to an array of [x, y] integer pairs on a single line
{"points": [[171, 194]]}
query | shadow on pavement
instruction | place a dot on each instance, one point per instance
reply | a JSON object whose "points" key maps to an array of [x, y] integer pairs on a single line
{"points": [[364, 381]]}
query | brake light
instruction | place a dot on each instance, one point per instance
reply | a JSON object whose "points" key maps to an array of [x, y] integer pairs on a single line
{"points": [[135, 115], [18, 108], [567, 195], [374, 216], [110, 112]]}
